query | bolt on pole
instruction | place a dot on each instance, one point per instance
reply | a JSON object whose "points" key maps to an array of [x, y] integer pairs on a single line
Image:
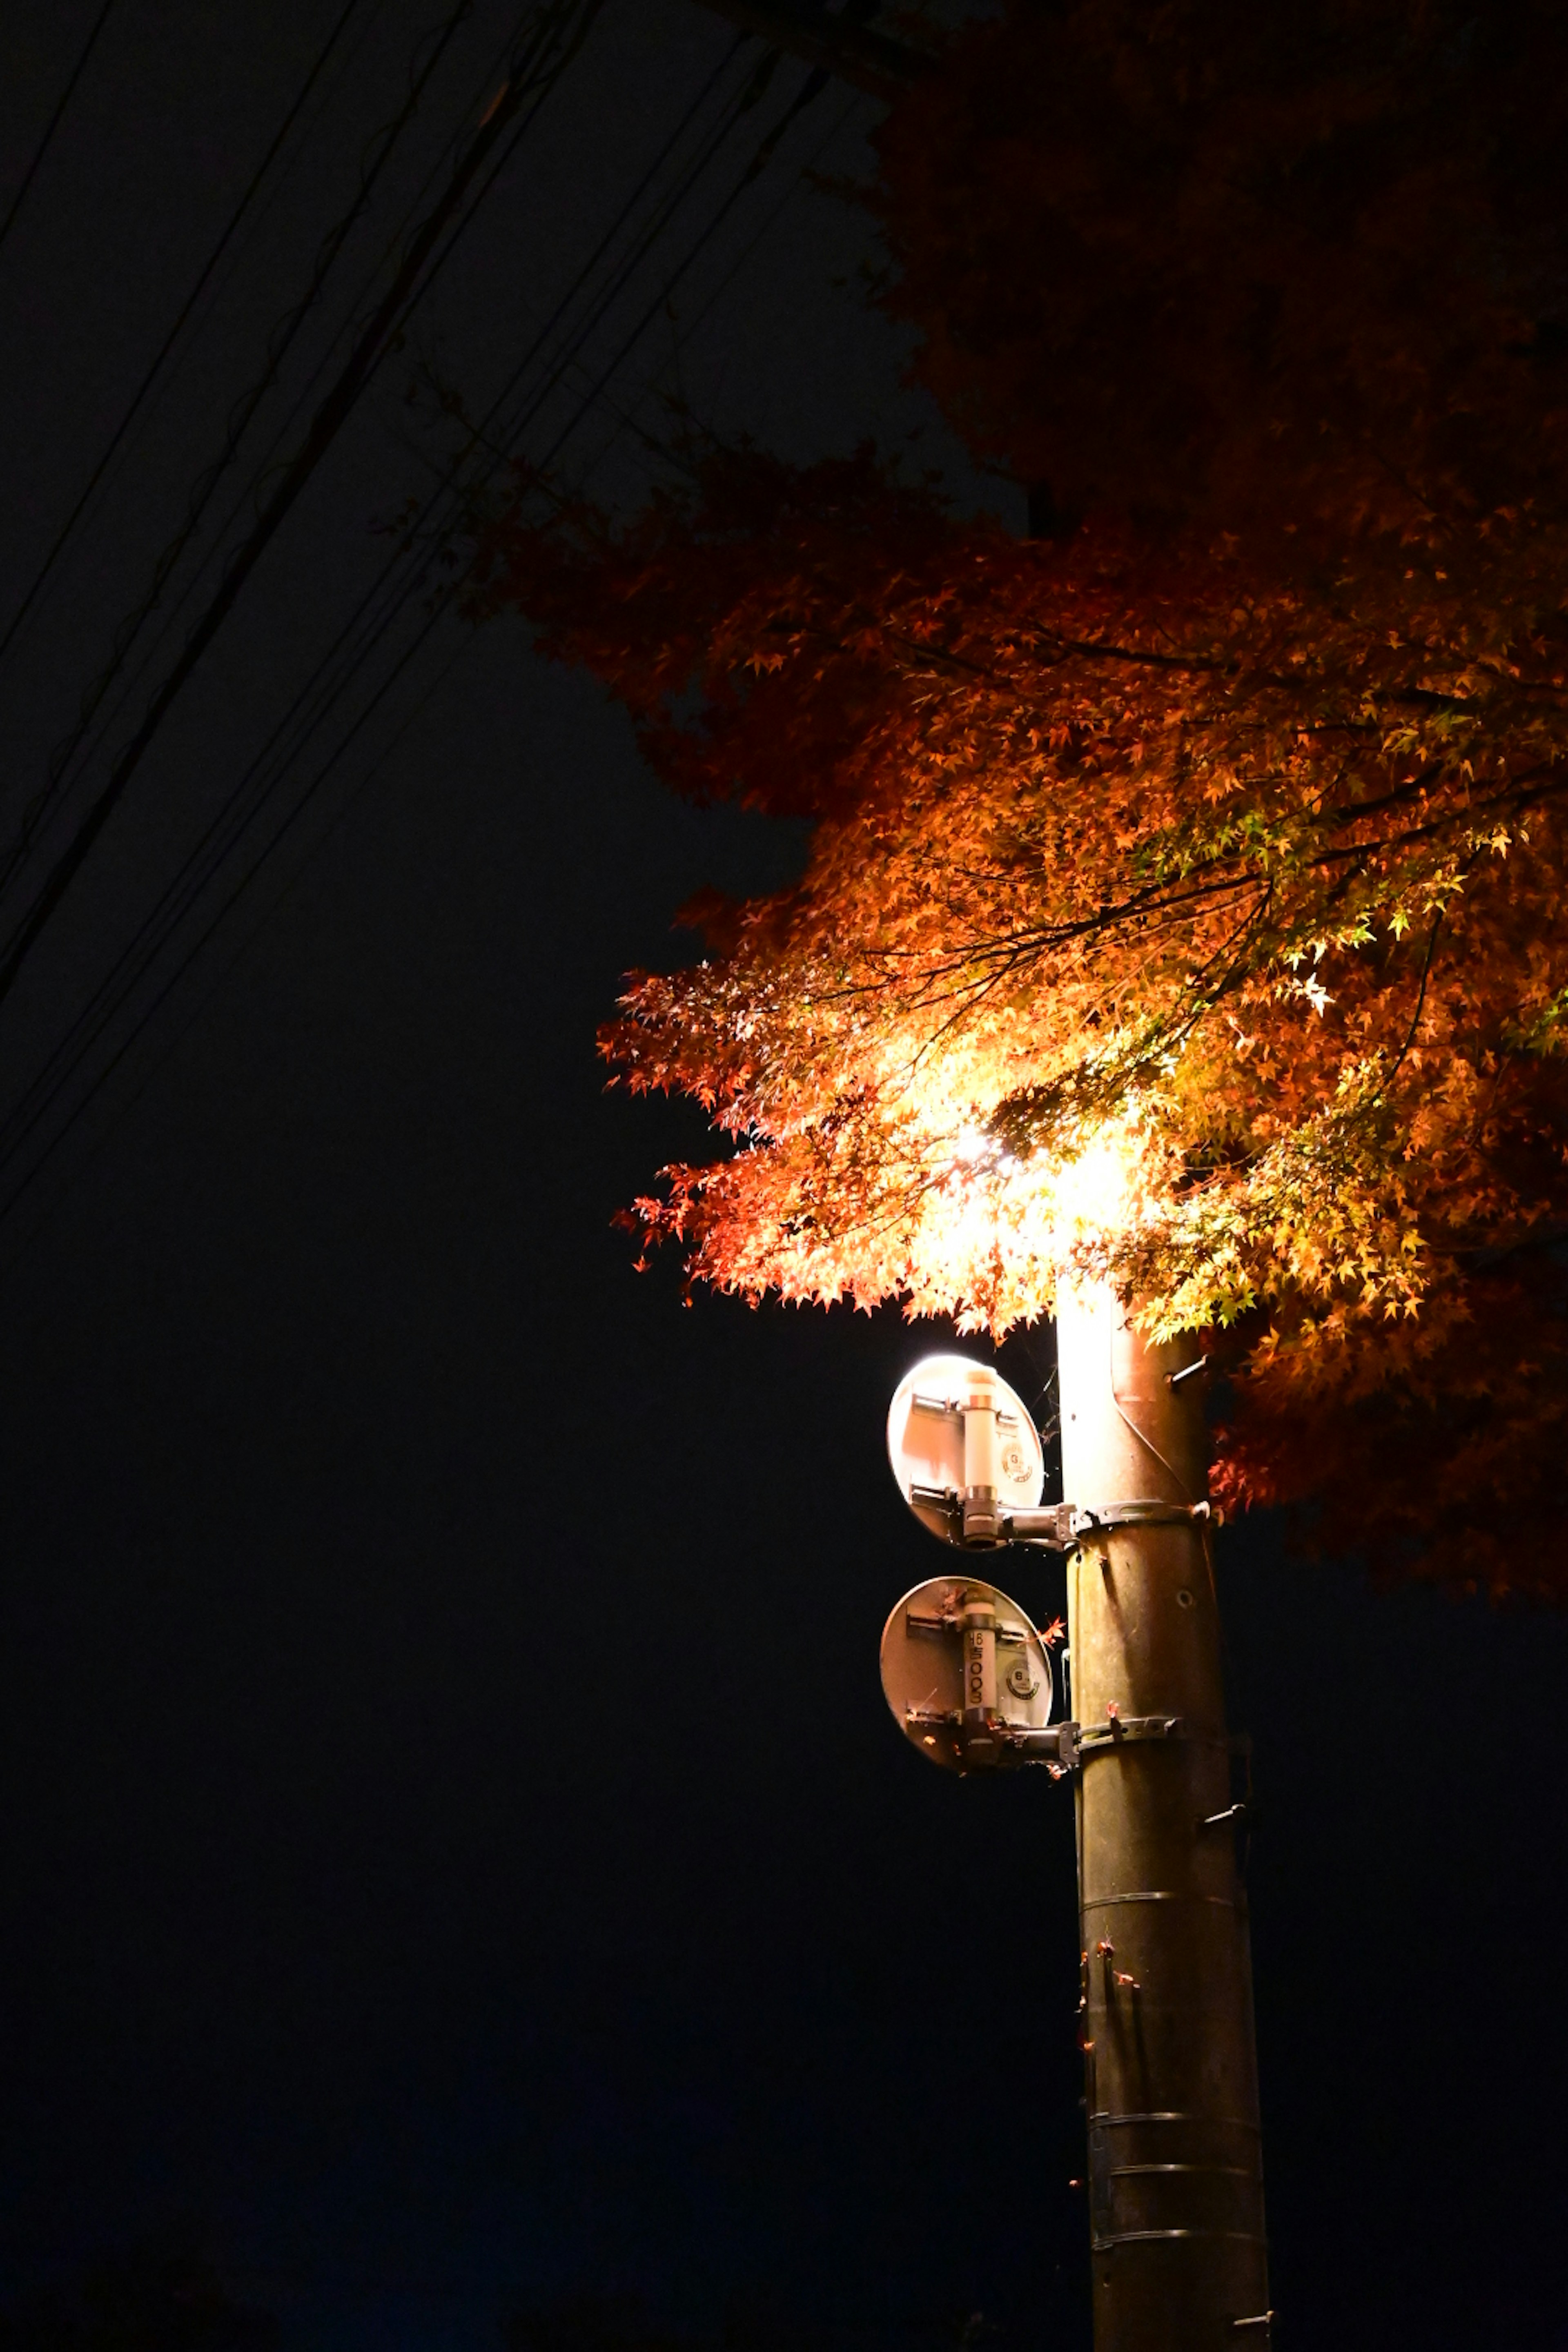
{"points": [[1175, 2177]]}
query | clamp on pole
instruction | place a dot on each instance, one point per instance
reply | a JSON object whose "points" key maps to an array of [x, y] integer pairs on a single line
{"points": [[1062, 1526], [1061, 1748]]}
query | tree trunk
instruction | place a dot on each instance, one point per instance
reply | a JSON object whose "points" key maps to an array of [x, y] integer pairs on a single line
{"points": [[1176, 2174]]}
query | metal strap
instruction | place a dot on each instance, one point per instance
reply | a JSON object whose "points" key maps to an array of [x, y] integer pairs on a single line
{"points": [[1107, 2121], [1091, 1518], [1119, 1731], [1159, 1894], [1132, 2237], [1061, 1525], [1240, 2171]]}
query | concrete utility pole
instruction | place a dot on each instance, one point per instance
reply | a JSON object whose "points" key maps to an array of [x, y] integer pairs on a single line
{"points": [[1175, 2175]]}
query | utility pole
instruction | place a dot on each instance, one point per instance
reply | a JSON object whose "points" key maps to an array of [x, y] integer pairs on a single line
{"points": [[1174, 2169], [1175, 2177], [532, 73]]}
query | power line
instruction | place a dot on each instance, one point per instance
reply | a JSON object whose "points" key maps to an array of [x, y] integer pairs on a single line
{"points": [[63, 535], [215, 924], [626, 420], [427, 58], [248, 496], [478, 437], [347, 65], [357, 309], [562, 360], [670, 206], [278, 344], [42, 149], [184, 899], [329, 421], [815, 83], [225, 833], [182, 894], [448, 486]]}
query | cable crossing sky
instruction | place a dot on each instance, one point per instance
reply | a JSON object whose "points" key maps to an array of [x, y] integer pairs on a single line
{"points": [[51, 1105]]}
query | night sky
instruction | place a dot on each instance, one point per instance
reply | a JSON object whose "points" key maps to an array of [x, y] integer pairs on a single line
{"points": [[457, 1857]]}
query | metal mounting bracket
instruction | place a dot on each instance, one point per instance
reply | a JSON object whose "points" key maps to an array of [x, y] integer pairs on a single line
{"points": [[1062, 1526], [1059, 1526], [1059, 1746]]}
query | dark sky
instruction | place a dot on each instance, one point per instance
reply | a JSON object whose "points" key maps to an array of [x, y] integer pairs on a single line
{"points": [[455, 1853]]}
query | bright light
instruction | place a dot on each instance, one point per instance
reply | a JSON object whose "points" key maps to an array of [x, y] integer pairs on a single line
{"points": [[1005, 1230], [1097, 1191]]}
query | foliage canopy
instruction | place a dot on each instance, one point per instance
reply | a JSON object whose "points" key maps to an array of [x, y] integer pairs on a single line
{"points": [[1185, 891]]}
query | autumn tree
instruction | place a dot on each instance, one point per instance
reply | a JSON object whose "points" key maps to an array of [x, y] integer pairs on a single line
{"points": [[1118, 841], [1184, 907], [1225, 818]]}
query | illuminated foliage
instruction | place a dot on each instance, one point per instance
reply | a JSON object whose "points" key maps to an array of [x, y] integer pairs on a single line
{"points": [[1185, 891]]}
